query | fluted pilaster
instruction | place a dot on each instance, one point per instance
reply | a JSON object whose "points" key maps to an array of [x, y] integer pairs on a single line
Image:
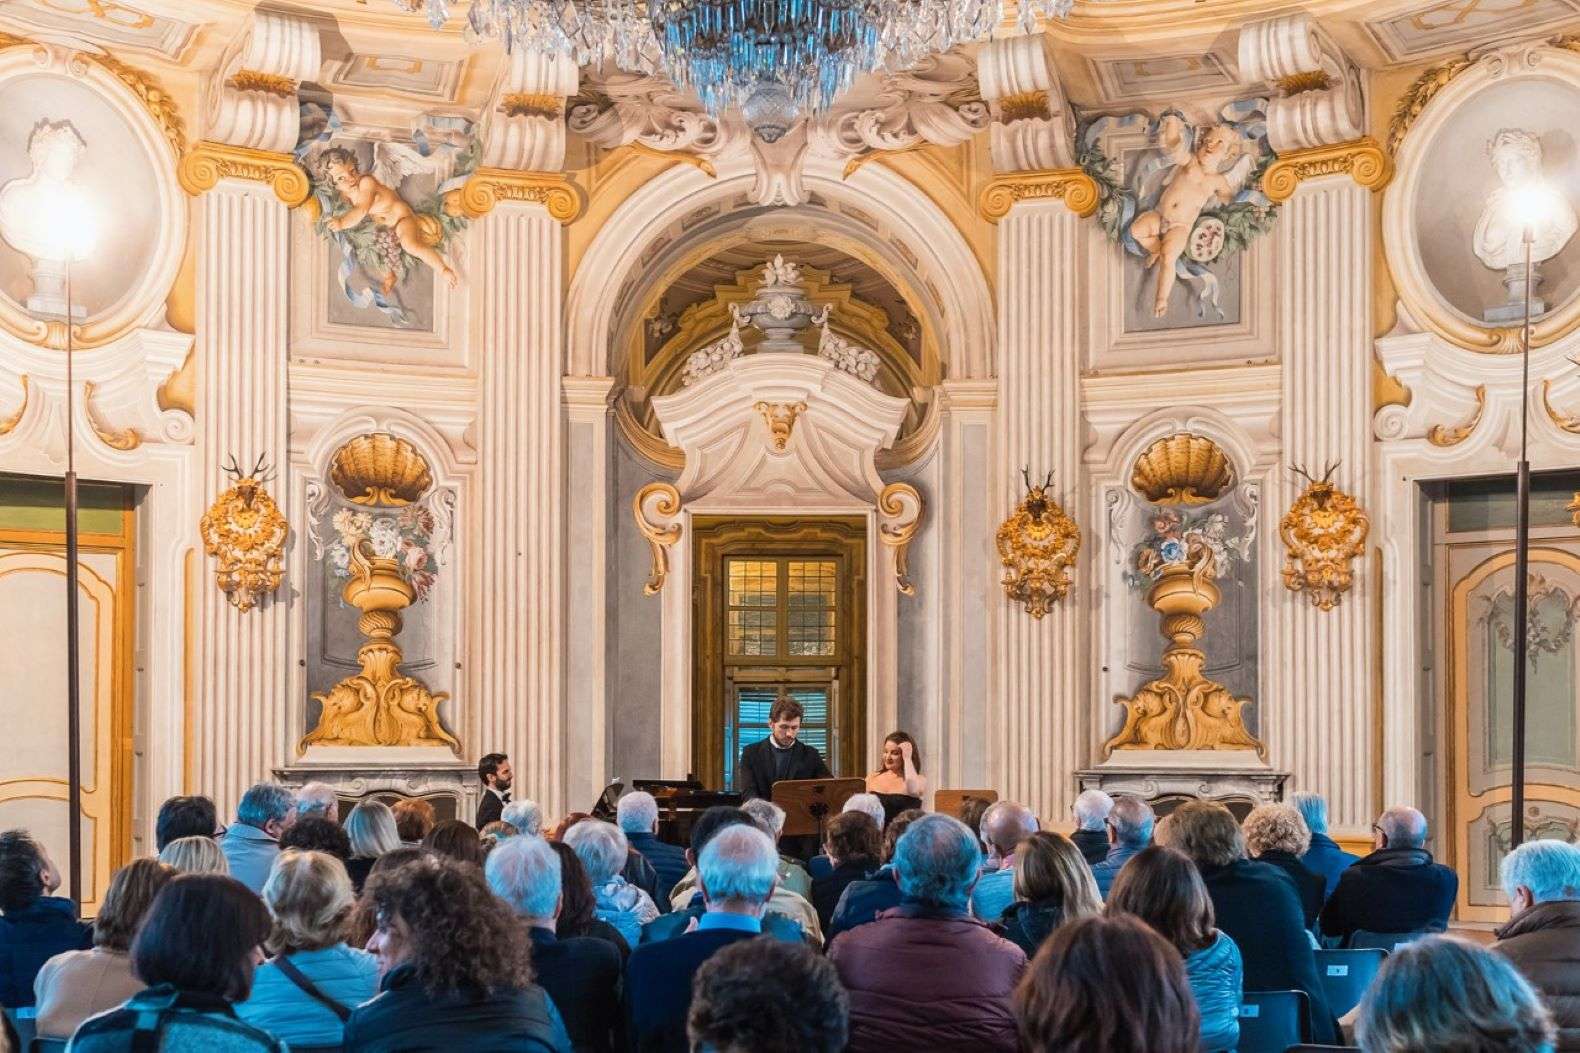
{"points": [[518, 593], [1039, 736], [240, 709], [1318, 716]]}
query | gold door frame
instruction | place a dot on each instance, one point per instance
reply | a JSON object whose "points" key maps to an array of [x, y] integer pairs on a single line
{"points": [[717, 538]]}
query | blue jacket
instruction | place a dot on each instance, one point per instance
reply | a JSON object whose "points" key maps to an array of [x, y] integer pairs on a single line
{"points": [[993, 894], [658, 987], [31, 937], [863, 901], [1108, 869], [669, 860], [582, 976], [181, 1020], [404, 1018], [1217, 979], [1325, 857], [250, 853], [288, 1013]]}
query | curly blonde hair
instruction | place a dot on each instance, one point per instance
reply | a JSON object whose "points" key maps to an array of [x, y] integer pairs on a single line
{"points": [[1276, 828]]}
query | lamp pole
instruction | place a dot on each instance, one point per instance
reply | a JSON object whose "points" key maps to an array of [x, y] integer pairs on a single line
{"points": [[73, 659], [1522, 557]]}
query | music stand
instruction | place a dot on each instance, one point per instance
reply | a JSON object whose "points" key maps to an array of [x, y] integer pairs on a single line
{"points": [[952, 802], [810, 803]]}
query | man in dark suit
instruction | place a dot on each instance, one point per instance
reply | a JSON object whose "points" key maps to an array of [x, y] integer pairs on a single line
{"points": [[494, 771], [581, 974], [780, 756], [1398, 888], [736, 873]]}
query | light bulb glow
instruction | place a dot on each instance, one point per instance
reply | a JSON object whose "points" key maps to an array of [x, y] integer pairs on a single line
{"points": [[68, 222], [1534, 205]]}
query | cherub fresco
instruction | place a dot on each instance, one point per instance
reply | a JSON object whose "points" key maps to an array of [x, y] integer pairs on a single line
{"points": [[399, 229], [1188, 199]]}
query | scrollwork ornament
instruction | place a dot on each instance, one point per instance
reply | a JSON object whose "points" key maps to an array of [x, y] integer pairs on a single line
{"points": [[900, 505], [1037, 545], [1324, 530], [246, 532], [664, 501]]}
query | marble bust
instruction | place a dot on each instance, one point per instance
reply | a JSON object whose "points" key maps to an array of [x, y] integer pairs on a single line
{"points": [[1516, 156], [32, 207]]}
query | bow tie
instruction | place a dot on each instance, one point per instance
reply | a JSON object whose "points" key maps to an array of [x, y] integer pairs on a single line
{"points": [[505, 797]]}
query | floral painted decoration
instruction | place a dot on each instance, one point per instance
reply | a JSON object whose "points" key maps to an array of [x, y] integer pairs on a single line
{"points": [[406, 534], [1176, 536]]}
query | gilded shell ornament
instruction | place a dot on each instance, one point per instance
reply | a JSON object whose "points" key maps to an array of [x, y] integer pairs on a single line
{"points": [[1182, 469], [380, 469]]}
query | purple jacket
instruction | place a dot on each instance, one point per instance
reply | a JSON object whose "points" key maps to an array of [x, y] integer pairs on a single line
{"points": [[924, 978]]}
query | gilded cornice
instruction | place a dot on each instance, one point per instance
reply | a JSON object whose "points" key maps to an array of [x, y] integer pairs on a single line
{"points": [[268, 83], [1418, 94], [489, 186], [1361, 159], [209, 162], [1074, 187]]}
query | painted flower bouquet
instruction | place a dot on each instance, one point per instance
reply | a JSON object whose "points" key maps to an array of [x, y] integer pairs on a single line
{"points": [[405, 535], [1177, 536]]}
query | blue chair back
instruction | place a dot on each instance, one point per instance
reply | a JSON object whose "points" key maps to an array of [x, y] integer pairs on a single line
{"points": [[1272, 1021], [47, 1045], [1347, 974], [25, 1022], [1362, 939]]}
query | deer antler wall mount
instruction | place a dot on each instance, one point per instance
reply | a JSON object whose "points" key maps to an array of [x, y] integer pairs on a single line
{"points": [[1038, 544], [246, 532], [1325, 529]]}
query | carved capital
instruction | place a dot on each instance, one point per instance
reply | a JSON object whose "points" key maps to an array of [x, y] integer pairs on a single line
{"points": [[1362, 159], [1320, 100], [209, 162], [489, 186], [1074, 187], [252, 98]]}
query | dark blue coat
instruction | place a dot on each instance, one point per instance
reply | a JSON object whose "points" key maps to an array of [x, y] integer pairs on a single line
{"points": [[1393, 890], [31, 937], [1325, 857], [669, 860], [668, 926], [863, 901], [582, 975], [1108, 869], [828, 888], [658, 987], [404, 1018]]}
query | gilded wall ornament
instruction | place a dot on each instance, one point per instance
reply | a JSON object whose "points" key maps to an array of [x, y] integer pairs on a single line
{"points": [[900, 505], [1037, 545], [115, 438], [380, 469], [1325, 529], [245, 530], [780, 418], [1362, 160], [9, 421], [1563, 421], [1071, 185], [1573, 508], [1182, 469], [663, 500], [1418, 94], [207, 163], [1454, 434]]}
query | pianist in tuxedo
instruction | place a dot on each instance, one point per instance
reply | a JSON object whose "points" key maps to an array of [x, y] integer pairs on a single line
{"points": [[494, 772], [780, 756]]}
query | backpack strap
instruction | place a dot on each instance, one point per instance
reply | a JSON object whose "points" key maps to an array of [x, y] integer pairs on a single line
{"points": [[299, 978]]}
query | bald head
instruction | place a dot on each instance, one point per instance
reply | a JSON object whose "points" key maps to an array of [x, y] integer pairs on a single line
{"points": [[1006, 824], [1403, 827]]}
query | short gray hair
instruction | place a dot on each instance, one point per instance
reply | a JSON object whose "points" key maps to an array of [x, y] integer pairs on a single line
{"points": [[868, 803], [769, 815], [1006, 824], [1550, 869], [318, 798], [1091, 808], [637, 812], [265, 801], [1132, 820], [1313, 808], [600, 846], [526, 816], [525, 873], [738, 863], [936, 861], [1403, 826], [1445, 993], [371, 829]]}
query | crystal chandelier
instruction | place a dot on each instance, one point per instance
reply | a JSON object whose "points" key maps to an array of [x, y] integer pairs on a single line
{"points": [[774, 61]]}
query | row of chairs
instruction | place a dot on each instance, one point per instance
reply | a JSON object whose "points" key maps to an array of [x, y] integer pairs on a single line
{"points": [[1276, 1021], [24, 1022]]}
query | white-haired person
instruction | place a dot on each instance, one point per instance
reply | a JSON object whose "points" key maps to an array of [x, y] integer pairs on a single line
{"points": [[252, 843], [526, 816], [771, 817], [580, 973], [866, 803], [737, 872], [637, 814], [1090, 812], [303, 994], [1324, 856], [1446, 995], [1396, 889], [318, 800], [1542, 936], [603, 850], [372, 831]]}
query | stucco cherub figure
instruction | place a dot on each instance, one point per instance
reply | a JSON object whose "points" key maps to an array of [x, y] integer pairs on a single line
{"points": [[400, 228], [1210, 166]]}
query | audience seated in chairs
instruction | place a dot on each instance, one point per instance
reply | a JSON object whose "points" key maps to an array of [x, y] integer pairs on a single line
{"points": [[851, 846], [1090, 811], [1276, 834], [370, 828], [1130, 824], [776, 923], [579, 909], [581, 974], [196, 950], [637, 814], [1106, 985], [1324, 857], [1542, 936], [318, 800], [1053, 886], [75, 985], [185, 817], [456, 840], [305, 993], [603, 850], [1163, 888], [767, 996], [252, 843], [195, 855], [413, 819], [362, 922], [771, 817], [1254, 904], [1004, 826], [317, 834], [926, 974], [457, 968], [862, 901], [34, 925], [1396, 889], [736, 873], [1445, 995]]}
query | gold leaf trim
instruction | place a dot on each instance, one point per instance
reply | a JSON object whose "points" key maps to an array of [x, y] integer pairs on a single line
{"points": [[780, 418], [1300, 83], [1361, 159], [160, 106], [702, 164], [208, 162], [1037, 544], [380, 469], [1074, 187], [659, 536], [179, 391], [9, 422], [1418, 94], [532, 104], [267, 83], [489, 186], [115, 438], [1454, 434], [1564, 421], [892, 502], [245, 531], [1024, 105], [1324, 530]]}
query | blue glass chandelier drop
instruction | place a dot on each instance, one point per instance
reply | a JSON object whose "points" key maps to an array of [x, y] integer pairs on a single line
{"points": [[771, 61]]}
